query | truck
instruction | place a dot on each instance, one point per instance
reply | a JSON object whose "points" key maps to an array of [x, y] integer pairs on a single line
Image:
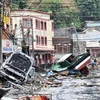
{"points": [[18, 68]]}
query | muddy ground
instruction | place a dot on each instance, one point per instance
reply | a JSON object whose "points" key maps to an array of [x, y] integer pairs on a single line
{"points": [[72, 88]]}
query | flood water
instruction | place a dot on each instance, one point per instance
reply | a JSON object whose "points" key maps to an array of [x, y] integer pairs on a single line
{"points": [[85, 88], [74, 88]]}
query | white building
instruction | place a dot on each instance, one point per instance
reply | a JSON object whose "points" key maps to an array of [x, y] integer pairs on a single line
{"points": [[40, 26], [91, 38]]}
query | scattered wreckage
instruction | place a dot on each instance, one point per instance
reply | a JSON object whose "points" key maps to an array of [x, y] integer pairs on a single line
{"points": [[3, 91], [71, 65], [19, 70]]}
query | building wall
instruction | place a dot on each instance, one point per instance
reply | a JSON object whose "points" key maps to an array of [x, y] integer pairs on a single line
{"points": [[41, 17], [43, 52]]}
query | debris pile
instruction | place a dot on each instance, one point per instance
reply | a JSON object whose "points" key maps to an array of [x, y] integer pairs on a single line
{"points": [[19, 73]]}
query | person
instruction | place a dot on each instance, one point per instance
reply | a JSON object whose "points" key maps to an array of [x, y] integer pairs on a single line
{"points": [[92, 63], [96, 62]]}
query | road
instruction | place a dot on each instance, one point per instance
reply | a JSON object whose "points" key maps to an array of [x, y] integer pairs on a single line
{"points": [[73, 88], [85, 88]]}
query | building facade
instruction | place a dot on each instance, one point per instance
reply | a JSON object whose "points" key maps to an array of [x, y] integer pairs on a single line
{"points": [[62, 41], [36, 29]]}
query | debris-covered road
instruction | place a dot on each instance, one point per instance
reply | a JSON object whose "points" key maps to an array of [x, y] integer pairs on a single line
{"points": [[77, 82], [84, 88]]}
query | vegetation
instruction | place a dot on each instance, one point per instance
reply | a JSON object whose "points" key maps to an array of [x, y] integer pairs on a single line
{"points": [[89, 9], [63, 17], [18, 4]]}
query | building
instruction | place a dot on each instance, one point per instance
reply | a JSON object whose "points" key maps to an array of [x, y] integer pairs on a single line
{"points": [[7, 45], [34, 26], [62, 41], [89, 40]]}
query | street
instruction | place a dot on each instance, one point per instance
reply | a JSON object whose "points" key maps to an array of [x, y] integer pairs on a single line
{"points": [[73, 88], [86, 88]]}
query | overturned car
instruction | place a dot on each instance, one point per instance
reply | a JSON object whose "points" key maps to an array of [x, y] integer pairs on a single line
{"points": [[18, 68]]}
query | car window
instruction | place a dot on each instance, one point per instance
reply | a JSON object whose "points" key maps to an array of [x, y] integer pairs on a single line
{"points": [[31, 73]]}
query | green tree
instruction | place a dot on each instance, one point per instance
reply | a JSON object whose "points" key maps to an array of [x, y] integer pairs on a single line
{"points": [[63, 17], [18, 4], [89, 9]]}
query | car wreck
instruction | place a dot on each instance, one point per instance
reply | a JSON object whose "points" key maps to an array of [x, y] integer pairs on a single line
{"points": [[17, 69], [71, 63]]}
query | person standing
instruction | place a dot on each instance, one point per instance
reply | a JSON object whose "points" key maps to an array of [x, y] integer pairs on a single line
{"points": [[96, 62], [92, 63]]}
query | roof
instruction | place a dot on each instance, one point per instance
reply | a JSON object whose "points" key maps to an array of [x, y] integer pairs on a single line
{"points": [[37, 11], [90, 35], [93, 23], [64, 57]]}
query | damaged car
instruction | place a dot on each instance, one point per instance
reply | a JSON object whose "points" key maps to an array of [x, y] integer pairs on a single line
{"points": [[18, 68]]}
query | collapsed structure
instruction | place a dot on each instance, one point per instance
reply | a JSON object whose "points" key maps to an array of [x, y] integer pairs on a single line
{"points": [[19, 69]]}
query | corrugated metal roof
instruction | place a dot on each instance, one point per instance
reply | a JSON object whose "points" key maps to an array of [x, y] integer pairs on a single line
{"points": [[93, 24]]}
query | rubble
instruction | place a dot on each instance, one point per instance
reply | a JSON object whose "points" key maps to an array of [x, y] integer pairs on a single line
{"points": [[25, 79]]}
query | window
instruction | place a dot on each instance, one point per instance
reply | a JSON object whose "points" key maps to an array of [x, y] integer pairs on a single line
{"points": [[37, 24], [45, 25], [31, 73], [41, 25], [45, 40], [42, 40], [27, 23], [36, 21], [37, 40]]}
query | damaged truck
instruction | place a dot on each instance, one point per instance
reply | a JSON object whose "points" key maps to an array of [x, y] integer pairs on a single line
{"points": [[17, 69]]}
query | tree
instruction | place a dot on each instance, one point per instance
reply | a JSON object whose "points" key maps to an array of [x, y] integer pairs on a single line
{"points": [[18, 4], [22, 4], [63, 17], [89, 9]]}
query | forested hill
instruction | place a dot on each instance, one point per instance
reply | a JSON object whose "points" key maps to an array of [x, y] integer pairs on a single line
{"points": [[64, 12]]}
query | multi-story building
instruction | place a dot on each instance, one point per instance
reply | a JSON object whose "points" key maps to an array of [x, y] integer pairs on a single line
{"points": [[37, 30]]}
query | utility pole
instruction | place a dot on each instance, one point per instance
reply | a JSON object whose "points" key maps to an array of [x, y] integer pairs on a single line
{"points": [[0, 33], [78, 44], [32, 40]]}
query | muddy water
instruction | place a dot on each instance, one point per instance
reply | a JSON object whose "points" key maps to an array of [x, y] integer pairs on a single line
{"points": [[85, 88]]}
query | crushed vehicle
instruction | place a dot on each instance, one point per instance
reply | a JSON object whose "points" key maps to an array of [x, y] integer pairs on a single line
{"points": [[17, 69], [74, 64]]}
